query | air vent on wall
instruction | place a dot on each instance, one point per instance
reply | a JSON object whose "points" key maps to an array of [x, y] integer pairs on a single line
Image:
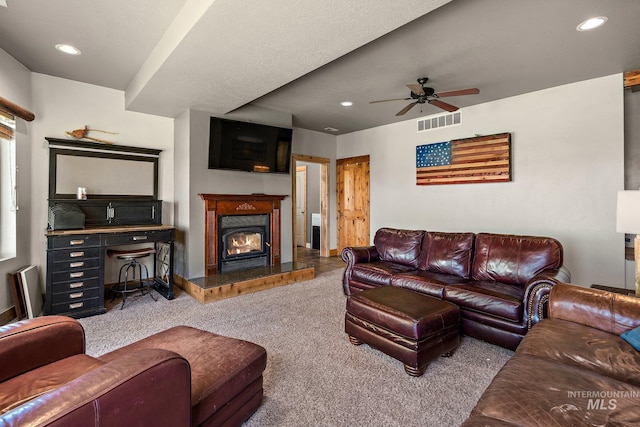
{"points": [[437, 121]]}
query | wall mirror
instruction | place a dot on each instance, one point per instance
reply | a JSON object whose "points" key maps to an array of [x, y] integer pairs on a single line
{"points": [[106, 171]]}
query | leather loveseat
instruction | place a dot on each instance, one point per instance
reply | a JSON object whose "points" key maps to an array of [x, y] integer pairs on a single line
{"points": [[572, 368], [500, 282], [178, 377]]}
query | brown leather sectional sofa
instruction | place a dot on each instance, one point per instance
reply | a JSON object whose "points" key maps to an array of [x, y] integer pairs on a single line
{"points": [[572, 369], [500, 282], [181, 376]]}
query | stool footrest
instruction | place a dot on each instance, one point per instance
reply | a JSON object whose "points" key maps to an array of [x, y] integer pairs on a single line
{"points": [[130, 253]]}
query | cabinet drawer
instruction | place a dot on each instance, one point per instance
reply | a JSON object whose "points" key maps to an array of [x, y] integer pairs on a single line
{"points": [[75, 285], [76, 295], [141, 237], [76, 264], [78, 254], [76, 275], [69, 307], [75, 241]]}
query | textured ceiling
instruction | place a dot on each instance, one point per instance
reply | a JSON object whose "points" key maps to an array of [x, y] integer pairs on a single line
{"points": [[306, 57]]}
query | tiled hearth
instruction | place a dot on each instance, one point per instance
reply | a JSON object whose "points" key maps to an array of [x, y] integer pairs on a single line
{"points": [[227, 285]]}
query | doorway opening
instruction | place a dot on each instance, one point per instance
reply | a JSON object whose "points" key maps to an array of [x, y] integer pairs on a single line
{"points": [[304, 210]]}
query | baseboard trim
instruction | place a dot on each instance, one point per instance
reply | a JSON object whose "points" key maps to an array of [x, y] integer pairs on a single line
{"points": [[333, 252], [7, 316]]}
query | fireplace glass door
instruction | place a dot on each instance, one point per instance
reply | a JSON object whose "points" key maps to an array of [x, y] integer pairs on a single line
{"points": [[243, 242]]}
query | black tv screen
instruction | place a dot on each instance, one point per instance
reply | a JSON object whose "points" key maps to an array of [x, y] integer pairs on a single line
{"points": [[250, 147]]}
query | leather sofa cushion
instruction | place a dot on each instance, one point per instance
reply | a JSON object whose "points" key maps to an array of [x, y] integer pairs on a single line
{"points": [[514, 259], [580, 345], [378, 273], [426, 282], [531, 391], [21, 389], [399, 246], [448, 253], [493, 298]]}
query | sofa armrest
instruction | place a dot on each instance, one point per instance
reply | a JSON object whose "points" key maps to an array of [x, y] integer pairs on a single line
{"points": [[32, 343], [353, 255], [607, 311], [148, 387], [536, 294]]}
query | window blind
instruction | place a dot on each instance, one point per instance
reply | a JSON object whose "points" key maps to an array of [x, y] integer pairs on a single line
{"points": [[6, 125]]}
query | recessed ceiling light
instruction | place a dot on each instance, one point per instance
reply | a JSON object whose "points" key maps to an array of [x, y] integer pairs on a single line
{"points": [[346, 103], [330, 129], [67, 48], [592, 23]]}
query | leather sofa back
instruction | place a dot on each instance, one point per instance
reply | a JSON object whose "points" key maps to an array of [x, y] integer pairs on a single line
{"points": [[447, 253], [607, 311], [514, 259], [399, 246]]}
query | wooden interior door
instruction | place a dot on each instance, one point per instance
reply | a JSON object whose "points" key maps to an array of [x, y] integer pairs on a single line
{"points": [[301, 205], [352, 200]]}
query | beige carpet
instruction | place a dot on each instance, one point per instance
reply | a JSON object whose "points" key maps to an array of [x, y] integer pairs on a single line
{"points": [[314, 376]]}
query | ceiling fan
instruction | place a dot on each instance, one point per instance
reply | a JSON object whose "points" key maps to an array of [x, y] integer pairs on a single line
{"points": [[428, 95]]}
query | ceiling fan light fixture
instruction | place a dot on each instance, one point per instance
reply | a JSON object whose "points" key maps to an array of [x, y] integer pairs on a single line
{"points": [[346, 103], [592, 23], [67, 48]]}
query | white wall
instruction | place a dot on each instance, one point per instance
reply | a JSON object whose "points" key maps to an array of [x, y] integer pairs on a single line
{"points": [[193, 162], [208, 181], [181, 127], [15, 85], [567, 162], [64, 105]]}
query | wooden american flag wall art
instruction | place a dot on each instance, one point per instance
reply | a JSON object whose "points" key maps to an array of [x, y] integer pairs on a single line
{"points": [[465, 161]]}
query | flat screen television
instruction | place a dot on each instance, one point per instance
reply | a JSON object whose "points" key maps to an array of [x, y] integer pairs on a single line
{"points": [[253, 147]]}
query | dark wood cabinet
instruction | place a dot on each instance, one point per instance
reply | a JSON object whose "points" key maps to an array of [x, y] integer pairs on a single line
{"points": [[74, 275], [100, 213], [121, 208], [75, 266]]}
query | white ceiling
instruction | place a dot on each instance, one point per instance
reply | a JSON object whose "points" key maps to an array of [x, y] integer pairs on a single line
{"points": [[304, 57]]}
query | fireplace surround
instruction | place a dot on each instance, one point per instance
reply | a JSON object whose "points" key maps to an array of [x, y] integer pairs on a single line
{"points": [[242, 231]]}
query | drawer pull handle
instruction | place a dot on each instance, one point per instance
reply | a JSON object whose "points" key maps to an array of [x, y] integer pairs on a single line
{"points": [[76, 254], [76, 242], [140, 237], [76, 305], [76, 295], [78, 274], [76, 285], [76, 264]]}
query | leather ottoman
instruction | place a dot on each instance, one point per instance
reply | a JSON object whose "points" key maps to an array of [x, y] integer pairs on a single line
{"points": [[226, 373], [410, 327]]}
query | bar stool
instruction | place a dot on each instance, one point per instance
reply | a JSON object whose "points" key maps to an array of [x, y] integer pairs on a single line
{"points": [[131, 257]]}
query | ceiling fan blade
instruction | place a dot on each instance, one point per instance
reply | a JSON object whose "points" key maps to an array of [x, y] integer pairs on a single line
{"points": [[405, 109], [443, 105], [417, 89], [387, 100], [470, 91]]}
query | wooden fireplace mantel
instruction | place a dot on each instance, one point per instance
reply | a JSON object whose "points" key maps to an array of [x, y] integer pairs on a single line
{"points": [[238, 204]]}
